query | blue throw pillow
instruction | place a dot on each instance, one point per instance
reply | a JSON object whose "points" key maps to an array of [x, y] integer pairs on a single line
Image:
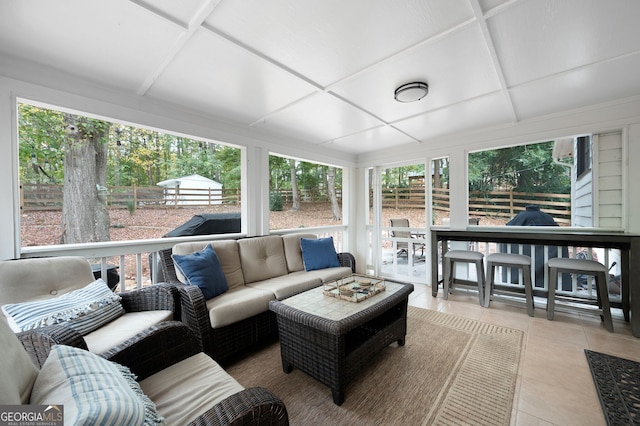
{"points": [[203, 269], [318, 254]]}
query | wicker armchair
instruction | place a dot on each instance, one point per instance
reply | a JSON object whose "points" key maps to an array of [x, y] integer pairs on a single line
{"points": [[164, 347], [27, 280]]}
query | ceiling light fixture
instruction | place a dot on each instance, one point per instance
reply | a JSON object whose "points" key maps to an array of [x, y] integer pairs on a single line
{"points": [[411, 92]]}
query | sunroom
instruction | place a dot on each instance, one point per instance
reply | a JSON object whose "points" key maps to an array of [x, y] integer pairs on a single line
{"points": [[329, 84]]}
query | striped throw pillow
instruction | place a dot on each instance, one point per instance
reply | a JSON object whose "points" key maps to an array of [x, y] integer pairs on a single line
{"points": [[85, 309], [92, 390]]}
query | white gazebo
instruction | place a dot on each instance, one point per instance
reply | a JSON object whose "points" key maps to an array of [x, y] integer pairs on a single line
{"points": [[191, 190]]}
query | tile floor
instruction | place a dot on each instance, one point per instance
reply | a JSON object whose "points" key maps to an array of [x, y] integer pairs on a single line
{"points": [[554, 382]]}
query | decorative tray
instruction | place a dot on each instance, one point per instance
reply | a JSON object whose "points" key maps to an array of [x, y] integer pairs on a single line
{"points": [[354, 288]]}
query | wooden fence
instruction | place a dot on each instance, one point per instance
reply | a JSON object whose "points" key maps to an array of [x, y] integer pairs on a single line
{"points": [[499, 204], [49, 197], [507, 204]]}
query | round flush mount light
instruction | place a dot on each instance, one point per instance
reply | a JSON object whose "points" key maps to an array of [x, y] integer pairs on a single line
{"points": [[411, 92]]}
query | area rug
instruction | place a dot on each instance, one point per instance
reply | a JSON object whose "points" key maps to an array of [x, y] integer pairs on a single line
{"points": [[617, 381], [452, 370]]}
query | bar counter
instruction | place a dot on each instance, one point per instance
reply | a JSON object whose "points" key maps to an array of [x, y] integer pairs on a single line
{"points": [[628, 244]]}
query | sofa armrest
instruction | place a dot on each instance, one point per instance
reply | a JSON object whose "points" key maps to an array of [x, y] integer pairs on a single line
{"points": [[155, 349], [153, 298], [252, 406], [196, 315], [167, 266], [38, 342], [348, 260]]}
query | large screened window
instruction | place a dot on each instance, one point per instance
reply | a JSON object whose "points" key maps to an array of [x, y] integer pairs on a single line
{"points": [[576, 181], [303, 194], [84, 180], [503, 182]]}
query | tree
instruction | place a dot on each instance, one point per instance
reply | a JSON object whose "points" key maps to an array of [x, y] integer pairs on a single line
{"points": [[295, 194], [331, 186], [85, 217]]}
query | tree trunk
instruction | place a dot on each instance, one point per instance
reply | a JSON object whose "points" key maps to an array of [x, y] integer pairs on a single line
{"points": [[295, 194], [331, 186], [85, 217]]}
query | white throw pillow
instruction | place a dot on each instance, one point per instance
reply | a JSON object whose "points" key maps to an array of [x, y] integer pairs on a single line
{"points": [[85, 309]]}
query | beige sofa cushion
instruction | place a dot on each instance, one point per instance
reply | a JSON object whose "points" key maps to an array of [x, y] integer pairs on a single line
{"points": [[123, 328], [330, 274], [227, 251], [19, 374], [288, 285], [262, 258], [237, 304], [189, 388], [293, 252]]}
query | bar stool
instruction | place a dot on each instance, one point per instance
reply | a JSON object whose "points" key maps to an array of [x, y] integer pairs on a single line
{"points": [[511, 260], [463, 256], [585, 267]]}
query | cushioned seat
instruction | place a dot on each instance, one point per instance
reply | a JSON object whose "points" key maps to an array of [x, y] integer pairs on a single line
{"points": [[237, 304], [584, 267], [509, 260], [254, 271], [65, 291], [452, 257], [178, 383]]}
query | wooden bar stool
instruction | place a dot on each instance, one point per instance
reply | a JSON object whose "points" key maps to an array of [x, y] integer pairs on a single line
{"points": [[463, 256], [511, 260], [584, 267]]}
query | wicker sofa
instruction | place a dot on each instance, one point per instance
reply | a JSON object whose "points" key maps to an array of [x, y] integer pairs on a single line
{"points": [[48, 279], [258, 270], [185, 385]]}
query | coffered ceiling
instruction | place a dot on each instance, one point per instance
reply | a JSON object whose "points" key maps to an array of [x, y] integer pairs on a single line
{"points": [[323, 72]]}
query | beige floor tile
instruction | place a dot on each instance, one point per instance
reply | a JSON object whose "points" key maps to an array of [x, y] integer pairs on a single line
{"points": [[560, 405], [554, 385], [525, 419]]}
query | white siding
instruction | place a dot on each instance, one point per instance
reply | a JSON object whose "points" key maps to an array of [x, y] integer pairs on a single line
{"points": [[582, 202], [609, 185]]}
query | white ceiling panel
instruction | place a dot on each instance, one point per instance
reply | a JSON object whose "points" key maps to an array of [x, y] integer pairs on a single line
{"points": [[371, 140], [220, 78], [181, 12], [330, 39], [576, 88], [324, 71], [485, 111], [543, 37], [487, 5], [319, 118], [444, 64], [115, 42]]}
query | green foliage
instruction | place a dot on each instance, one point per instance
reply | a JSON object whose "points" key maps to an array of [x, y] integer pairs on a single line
{"points": [[398, 177], [41, 149], [524, 168], [136, 156], [276, 202], [309, 175]]}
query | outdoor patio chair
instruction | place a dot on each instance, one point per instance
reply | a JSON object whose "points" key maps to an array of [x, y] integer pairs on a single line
{"points": [[167, 376], [61, 296], [403, 246]]}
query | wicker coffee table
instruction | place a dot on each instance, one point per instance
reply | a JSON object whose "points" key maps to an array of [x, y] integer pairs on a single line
{"points": [[332, 340]]}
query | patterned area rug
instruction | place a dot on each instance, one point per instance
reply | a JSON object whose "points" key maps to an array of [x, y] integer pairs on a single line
{"points": [[617, 381], [452, 370]]}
